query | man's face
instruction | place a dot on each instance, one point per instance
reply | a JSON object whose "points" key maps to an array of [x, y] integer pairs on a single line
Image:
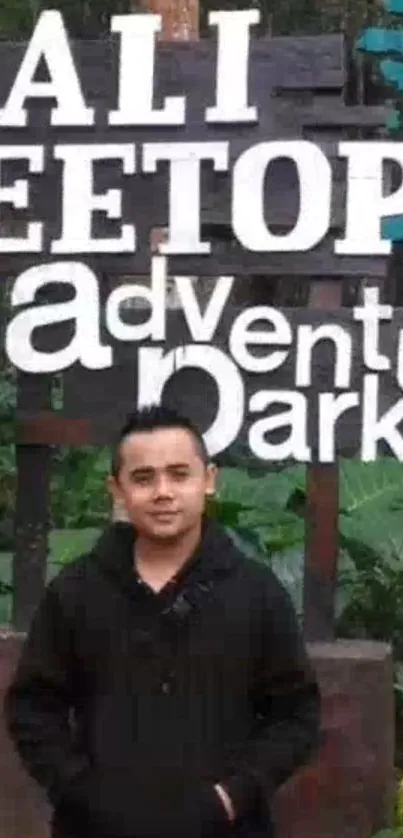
{"points": [[163, 482]]}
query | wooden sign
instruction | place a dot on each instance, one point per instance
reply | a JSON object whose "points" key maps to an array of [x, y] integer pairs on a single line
{"points": [[264, 383], [127, 134], [100, 143]]}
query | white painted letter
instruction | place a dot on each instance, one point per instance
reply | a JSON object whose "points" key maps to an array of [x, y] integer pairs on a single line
{"points": [[307, 337], [399, 360], [155, 369], [17, 196], [232, 66], [184, 189], [371, 313], [155, 296], [374, 429], [331, 407], [295, 415], [366, 205], [84, 309], [136, 78], [280, 334], [202, 327], [79, 200], [49, 41], [248, 217]]}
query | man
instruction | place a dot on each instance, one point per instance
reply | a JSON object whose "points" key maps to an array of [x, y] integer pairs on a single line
{"points": [[163, 690]]}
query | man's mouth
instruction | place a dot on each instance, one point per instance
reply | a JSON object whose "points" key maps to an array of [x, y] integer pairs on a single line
{"points": [[164, 515]]}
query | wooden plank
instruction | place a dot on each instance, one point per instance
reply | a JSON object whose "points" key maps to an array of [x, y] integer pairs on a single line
{"points": [[283, 62], [146, 204], [320, 262], [277, 65], [321, 552], [145, 197], [50, 428], [281, 188], [228, 258], [342, 116]]}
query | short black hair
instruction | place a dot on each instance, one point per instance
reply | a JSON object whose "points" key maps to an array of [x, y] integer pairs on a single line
{"points": [[153, 418]]}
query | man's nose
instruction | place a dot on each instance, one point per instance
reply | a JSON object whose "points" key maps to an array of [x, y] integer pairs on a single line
{"points": [[163, 487]]}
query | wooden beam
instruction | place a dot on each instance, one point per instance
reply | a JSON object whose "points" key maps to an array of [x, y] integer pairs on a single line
{"points": [[49, 428]]}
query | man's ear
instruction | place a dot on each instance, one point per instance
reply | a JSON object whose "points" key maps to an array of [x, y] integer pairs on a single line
{"points": [[113, 487], [212, 476]]}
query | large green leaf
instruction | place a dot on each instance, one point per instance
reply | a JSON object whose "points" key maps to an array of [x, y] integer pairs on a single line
{"points": [[257, 506], [260, 491], [369, 488], [371, 502], [289, 569], [381, 532], [5, 609], [277, 530], [65, 545], [288, 566]]}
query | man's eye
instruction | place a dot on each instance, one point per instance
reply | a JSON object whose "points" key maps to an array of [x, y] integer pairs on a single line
{"points": [[180, 475], [141, 479]]}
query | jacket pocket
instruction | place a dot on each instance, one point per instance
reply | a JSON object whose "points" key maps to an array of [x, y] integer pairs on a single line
{"points": [[124, 804]]}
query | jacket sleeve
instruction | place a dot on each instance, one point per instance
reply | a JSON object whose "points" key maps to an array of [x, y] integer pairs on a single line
{"points": [[286, 704], [40, 699]]}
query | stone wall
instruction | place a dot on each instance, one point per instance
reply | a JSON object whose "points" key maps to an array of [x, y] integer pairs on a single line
{"points": [[346, 793]]}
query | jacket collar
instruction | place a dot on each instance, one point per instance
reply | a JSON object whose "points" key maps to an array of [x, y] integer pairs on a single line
{"points": [[215, 555]]}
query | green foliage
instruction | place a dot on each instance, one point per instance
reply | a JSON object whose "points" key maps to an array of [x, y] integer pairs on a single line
{"points": [[259, 505], [8, 400], [83, 18], [265, 516], [90, 18], [66, 545], [371, 502], [78, 492]]}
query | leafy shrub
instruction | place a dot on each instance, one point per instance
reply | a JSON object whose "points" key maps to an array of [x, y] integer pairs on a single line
{"points": [[79, 499]]}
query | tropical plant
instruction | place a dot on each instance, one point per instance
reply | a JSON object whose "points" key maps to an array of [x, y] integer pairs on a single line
{"points": [[371, 530], [78, 492]]}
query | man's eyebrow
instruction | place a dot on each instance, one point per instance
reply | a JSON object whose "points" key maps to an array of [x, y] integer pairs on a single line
{"points": [[178, 465], [151, 470]]}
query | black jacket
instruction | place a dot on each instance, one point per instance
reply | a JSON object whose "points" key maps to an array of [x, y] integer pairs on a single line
{"points": [[127, 706]]}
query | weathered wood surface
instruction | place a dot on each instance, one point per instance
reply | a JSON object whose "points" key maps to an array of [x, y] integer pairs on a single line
{"points": [[99, 401], [289, 63], [228, 259], [321, 515], [320, 262], [297, 84]]}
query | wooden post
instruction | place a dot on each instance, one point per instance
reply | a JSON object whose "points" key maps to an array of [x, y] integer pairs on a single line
{"points": [[180, 18], [31, 508], [321, 534], [322, 483]]}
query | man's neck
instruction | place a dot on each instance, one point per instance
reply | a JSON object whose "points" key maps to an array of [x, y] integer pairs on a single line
{"points": [[158, 560]]}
